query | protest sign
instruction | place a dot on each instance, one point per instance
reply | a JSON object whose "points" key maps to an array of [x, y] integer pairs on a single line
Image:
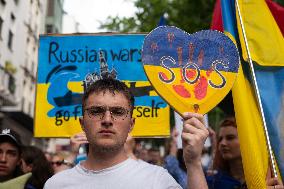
{"points": [[192, 72], [66, 60]]}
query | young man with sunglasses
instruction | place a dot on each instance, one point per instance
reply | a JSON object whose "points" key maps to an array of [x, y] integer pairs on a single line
{"points": [[107, 119]]}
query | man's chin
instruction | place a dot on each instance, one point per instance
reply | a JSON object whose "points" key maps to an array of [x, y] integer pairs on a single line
{"points": [[107, 146], [3, 175]]}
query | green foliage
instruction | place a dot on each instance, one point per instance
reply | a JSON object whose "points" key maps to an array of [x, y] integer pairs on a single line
{"points": [[189, 15], [215, 116], [280, 2]]}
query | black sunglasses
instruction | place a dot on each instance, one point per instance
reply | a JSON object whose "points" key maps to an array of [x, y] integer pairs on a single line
{"points": [[57, 163], [63, 162]]}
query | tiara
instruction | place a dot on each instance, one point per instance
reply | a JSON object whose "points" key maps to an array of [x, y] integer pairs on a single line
{"points": [[6, 131], [104, 73]]}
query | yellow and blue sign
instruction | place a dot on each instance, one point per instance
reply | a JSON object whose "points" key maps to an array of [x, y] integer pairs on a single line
{"points": [[191, 72], [65, 61]]}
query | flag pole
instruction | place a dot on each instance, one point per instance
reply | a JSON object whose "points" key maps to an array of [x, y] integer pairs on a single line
{"points": [[272, 161]]}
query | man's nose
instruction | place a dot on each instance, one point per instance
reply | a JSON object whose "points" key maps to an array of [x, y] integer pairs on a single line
{"points": [[107, 119], [3, 157]]}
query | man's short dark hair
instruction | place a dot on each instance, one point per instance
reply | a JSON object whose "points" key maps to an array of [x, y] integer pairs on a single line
{"points": [[111, 85]]}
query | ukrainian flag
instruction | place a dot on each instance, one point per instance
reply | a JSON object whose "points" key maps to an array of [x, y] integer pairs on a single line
{"points": [[266, 46]]}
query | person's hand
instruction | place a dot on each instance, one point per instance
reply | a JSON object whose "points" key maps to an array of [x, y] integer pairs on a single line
{"points": [[274, 183], [174, 134], [76, 140], [193, 135]]}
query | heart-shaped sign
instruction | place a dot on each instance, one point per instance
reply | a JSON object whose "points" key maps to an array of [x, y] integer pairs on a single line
{"points": [[192, 72]]}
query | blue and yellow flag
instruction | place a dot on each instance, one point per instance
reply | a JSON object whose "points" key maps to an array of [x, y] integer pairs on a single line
{"points": [[266, 44]]}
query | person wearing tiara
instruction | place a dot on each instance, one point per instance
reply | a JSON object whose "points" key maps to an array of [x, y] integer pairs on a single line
{"points": [[107, 120]]}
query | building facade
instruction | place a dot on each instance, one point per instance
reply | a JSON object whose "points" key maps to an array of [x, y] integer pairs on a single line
{"points": [[21, 22], [54, 16]]}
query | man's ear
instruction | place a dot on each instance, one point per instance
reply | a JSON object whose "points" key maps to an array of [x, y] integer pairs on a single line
{"points": [[132, 123], [30, 167], [81, 120], [19, 162]]}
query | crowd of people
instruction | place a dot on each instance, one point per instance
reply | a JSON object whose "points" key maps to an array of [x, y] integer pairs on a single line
{"points": [[113, 159]]}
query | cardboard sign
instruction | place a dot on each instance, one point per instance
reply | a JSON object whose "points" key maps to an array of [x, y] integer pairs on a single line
{"points": [[191, 72], [66, 60]]}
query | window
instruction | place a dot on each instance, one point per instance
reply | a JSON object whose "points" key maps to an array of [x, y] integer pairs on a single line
{"points": [[49, 28], [36, 28], [10, 39], [33, 67], [3, 2], [11, 84], [1, 23], [50, 8], [30, 108], [13, 17], [23, 104], [26, 63]]}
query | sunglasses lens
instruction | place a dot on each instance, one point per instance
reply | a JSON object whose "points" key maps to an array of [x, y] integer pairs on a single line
{"points": [[57, 163]]}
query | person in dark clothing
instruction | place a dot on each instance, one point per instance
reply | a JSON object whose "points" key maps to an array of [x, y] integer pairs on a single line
{"points": [[34, 161]]}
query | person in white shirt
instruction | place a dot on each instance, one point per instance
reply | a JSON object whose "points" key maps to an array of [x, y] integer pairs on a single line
{"points": [[107, 120]]}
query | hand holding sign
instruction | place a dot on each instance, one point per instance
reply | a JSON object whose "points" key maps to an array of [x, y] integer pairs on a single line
{"points": [[191, 72]]}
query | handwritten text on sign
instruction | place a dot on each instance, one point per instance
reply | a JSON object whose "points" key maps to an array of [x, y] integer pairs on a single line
{"points": [[192, 72], [64, 62]]}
